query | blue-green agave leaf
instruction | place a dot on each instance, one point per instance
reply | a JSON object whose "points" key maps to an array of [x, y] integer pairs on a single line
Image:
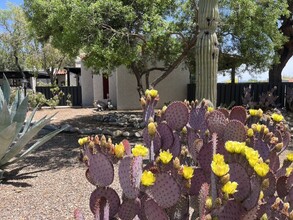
{"points": [[29, 120], [39, 143], [6, 138], [23, 140], [20, 114], [6, 89], [5, 119]]}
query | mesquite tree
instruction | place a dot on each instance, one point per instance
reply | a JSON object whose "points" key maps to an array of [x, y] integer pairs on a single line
{"points": [[207, 51]]}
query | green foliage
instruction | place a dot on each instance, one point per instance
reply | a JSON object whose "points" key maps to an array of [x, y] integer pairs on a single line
{"points": [[37, 99], [15, 131], [249, 29], [57, 96], [143, 35]]}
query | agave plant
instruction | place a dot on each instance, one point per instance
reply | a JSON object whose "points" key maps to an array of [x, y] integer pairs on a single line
{"points": [[15, 131]]}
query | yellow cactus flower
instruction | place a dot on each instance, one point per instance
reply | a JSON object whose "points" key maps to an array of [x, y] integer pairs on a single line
{"points": [[250, 132], [218, 158], [230, 147], [153, 93], [219, 167], [277, 117], [83, 140], [252, 161], [165, 157], [259, 113], [261, 195], [210, 109], [230, 187], [152, 128], [290, 157], [119, 150], [253, 112], [148, 178], [261, 169], [235, 146], [187, 172], [139, 150], [289, 171]]}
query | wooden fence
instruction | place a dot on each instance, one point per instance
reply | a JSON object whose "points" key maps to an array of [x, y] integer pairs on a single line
{"points": [[228, 93], [74, 91]]}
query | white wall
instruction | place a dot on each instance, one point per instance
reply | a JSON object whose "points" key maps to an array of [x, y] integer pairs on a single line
{"points": [[113, 87], [172, 88], [86, 82], [98, 87]]}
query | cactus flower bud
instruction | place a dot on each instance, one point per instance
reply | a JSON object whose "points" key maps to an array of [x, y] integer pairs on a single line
{"points": [[225, 178], [291, 215], [286, 207], [142, 102], [264, 217], [265, 183], [261, 195], [176, 163], [279, 146], [218, 202], [164, 109], [152, 129], [209, 203], [184, 130], [250, 132]]}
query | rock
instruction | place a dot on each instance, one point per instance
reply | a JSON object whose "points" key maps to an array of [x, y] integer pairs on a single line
{"points": [[86, 131], [50, 127], [117, 133], [107, 132], [126, 134], [138, 134], [69, 128]]}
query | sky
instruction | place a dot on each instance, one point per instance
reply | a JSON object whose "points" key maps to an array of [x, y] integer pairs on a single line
{"points": [[287, 71]]}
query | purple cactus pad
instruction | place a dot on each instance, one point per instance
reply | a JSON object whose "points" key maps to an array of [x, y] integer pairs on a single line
{"points": [[281, 186], [250, 202], [147, 140], [216, 122], [165, 191], [197, 119], [126, 174], [239, 175], [197, 180], [101, 170], [129, 209], [154, 211], [235, 131], [177, 115], [205, 157], [238, 113], [166, 134], [111, 197]]}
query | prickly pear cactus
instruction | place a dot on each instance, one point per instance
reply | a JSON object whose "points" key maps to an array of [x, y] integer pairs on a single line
{"points": [[195, 162]]}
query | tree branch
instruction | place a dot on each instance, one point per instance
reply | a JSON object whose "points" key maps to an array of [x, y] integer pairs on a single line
{"points": [[176, 63]]}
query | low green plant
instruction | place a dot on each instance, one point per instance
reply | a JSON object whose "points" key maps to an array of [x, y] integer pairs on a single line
{"points": [[15, 131], [196, 162], [69, 99], [36, 99], [57, 96]]}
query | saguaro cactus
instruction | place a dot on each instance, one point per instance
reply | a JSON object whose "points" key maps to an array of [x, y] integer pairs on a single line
{"points": [[207, 51]]}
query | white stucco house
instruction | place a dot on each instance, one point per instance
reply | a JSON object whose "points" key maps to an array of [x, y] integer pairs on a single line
{"points": [[120, 87]]}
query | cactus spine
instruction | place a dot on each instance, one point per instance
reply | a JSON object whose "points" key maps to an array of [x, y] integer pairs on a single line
{"points": [[207, 51]]}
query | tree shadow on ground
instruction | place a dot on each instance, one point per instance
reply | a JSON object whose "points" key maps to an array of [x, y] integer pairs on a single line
{"points": [[15, 178], [63, 149]]}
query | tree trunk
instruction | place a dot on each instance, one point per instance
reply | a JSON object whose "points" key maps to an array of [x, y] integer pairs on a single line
{"points": [[138, 77], [207, 51], [275, 73], [285, 53]]}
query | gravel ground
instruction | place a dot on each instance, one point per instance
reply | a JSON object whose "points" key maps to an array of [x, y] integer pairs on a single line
{"points": [[51, 183]]}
